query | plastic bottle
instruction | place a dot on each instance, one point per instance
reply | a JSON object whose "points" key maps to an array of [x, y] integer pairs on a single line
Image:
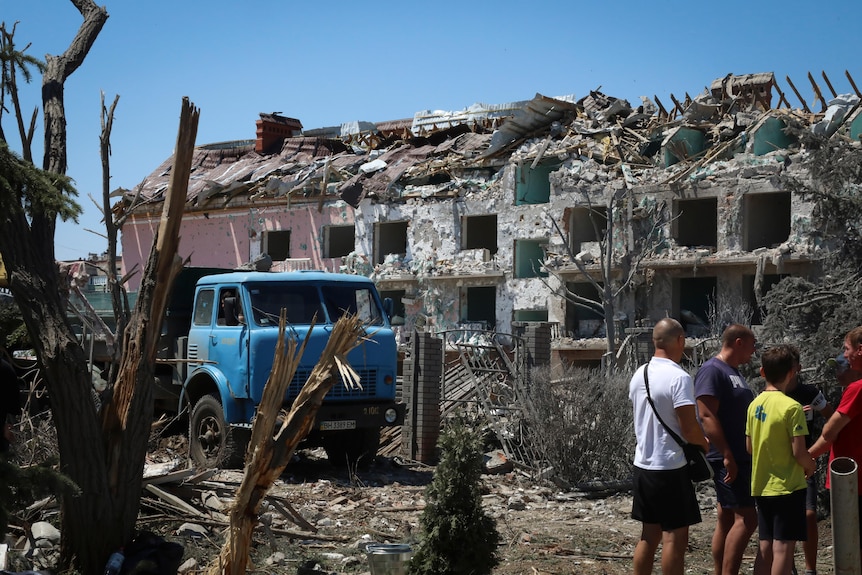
{"points": [[115, 562]]}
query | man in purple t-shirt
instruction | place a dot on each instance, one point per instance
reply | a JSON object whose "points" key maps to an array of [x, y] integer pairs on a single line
{"points": [[723, 396]]}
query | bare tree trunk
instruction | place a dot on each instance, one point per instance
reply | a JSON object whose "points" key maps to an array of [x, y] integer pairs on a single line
{"points": [[34, 281]]}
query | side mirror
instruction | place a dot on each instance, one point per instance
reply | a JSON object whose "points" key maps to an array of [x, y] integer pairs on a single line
{"points": [[388, 307]]}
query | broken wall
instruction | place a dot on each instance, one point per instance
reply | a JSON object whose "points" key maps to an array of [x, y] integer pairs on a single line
{"points": [[228, 238]]}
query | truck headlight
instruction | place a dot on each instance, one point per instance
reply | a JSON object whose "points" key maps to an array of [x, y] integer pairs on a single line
{"points": [[390, 416]]}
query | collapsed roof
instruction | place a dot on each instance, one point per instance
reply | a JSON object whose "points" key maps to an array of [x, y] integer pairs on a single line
{"points": [[434, 154]]}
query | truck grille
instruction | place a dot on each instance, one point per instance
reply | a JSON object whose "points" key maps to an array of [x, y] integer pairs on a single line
{"points": [[367, 378]]}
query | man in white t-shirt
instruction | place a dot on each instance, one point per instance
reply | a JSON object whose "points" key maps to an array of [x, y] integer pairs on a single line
{"points": [[664, 497]]}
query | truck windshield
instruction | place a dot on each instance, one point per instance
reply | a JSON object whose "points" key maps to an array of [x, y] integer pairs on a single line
{"points": [[342, 299], [303, 301]]}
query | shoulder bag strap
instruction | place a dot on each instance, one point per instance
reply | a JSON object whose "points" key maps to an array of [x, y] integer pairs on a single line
{"points": [[670, 431]]}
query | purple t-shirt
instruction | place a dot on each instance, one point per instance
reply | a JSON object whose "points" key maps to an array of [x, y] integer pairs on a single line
{"points": [[717, 379]]}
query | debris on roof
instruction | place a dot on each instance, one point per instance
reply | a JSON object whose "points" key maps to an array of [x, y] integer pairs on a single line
{"points": [[434, 153]]}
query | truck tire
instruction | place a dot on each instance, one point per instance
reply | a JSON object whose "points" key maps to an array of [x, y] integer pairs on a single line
{"points": [[353, 448], [212, 443]]}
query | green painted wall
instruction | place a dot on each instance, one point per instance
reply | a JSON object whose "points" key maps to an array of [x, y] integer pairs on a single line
{"points": [[692, 140], [770, 137]]}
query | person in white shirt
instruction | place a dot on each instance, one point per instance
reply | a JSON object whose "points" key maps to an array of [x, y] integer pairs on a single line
{"points": [[664, 496]]}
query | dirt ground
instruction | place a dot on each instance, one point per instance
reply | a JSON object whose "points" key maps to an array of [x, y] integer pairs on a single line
{"points": [[544, 530]]}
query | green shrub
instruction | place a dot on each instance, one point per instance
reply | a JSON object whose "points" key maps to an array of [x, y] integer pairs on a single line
{"points": [[457, 537]]}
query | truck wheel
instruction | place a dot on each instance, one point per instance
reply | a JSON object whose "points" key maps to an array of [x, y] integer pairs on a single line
{"points": [[211, 440], [353, 448]]}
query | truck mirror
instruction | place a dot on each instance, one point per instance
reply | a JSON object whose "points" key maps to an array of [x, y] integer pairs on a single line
{"points": [[388, 307]]}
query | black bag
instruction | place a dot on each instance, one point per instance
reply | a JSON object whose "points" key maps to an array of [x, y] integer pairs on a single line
{"points": [[699, 468]]}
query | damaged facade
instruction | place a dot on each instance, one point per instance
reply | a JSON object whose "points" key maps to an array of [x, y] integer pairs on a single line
{"points": [[487, 216]]}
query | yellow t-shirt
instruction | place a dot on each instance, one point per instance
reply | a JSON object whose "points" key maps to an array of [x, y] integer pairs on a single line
{"points": [[773, 421]]}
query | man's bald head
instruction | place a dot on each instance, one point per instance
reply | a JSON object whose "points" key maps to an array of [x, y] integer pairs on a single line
{"points": [[668, 337], [666, 332]]}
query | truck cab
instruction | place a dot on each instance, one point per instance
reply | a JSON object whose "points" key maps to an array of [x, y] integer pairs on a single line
{"points": [[228, 356]]}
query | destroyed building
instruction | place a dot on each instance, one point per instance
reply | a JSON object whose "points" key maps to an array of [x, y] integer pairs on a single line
{"points": [[500, 214]]}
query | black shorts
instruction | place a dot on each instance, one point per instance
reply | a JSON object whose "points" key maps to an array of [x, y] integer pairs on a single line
{"points": [[782, 517], [666, 498], [733, 495]]}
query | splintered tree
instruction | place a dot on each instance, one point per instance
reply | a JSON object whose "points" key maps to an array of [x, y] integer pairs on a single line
{"points": [[626, 233], [458, 537], [269, 453], [102, 453]]}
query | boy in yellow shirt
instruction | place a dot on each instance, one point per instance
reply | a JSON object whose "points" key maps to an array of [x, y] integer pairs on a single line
{"points": [[775, 433]]}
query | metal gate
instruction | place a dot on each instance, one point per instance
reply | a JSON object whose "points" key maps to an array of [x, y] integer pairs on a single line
{"points": [[486, 371]]}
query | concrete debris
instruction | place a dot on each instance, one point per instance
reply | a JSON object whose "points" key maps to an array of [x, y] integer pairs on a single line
{"points": [[449, 209]]}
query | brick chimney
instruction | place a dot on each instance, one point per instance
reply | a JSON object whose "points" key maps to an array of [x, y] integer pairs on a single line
{"points": [[272, 129]]}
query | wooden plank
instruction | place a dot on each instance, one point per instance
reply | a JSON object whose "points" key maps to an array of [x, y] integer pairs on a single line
{"points": [[175, 501], [172, 477]]}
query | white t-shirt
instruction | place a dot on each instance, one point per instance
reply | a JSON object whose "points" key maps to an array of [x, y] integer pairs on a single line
{"points": [[670, 387]]}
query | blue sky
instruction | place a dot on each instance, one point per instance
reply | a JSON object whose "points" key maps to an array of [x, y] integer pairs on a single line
{"points": [[331, 62]]}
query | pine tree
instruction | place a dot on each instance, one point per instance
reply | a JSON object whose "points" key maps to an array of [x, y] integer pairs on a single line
{"points": [[457, 538]]}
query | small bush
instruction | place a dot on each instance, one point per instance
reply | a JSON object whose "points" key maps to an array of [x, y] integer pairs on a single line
{"points": [[581, 423], [458, 538]]}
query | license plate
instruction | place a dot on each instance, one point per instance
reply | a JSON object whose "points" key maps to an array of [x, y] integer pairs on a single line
{"points": [[338, 425]]}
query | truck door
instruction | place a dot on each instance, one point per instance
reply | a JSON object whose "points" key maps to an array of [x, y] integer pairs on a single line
{"points": [[228, 340]]}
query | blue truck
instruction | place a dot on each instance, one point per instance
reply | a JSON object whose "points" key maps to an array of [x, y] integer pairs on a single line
{"points": [[216, 353]]}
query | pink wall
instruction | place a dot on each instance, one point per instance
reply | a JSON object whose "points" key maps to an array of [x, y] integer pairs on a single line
{"points": [[227, 239]]}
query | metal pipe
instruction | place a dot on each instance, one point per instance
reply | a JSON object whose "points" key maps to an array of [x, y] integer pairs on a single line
{"points": [[844, 499]]}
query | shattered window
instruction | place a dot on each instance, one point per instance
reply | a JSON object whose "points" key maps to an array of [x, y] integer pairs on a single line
{"points": [[533, 185], [529, 257], [479, 232], [479, 305], [338, 241], [277, 244], [767, 220], [398, 309], [584, 321], [390, 238], [695, 222], [694, 297], [587, 224]]}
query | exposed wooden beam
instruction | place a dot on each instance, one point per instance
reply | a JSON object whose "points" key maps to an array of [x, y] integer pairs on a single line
{"points": [[852, 83], [817, 94], [661, 109], [829, 84], [795, 91], [677, 106], [782, 97]]}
